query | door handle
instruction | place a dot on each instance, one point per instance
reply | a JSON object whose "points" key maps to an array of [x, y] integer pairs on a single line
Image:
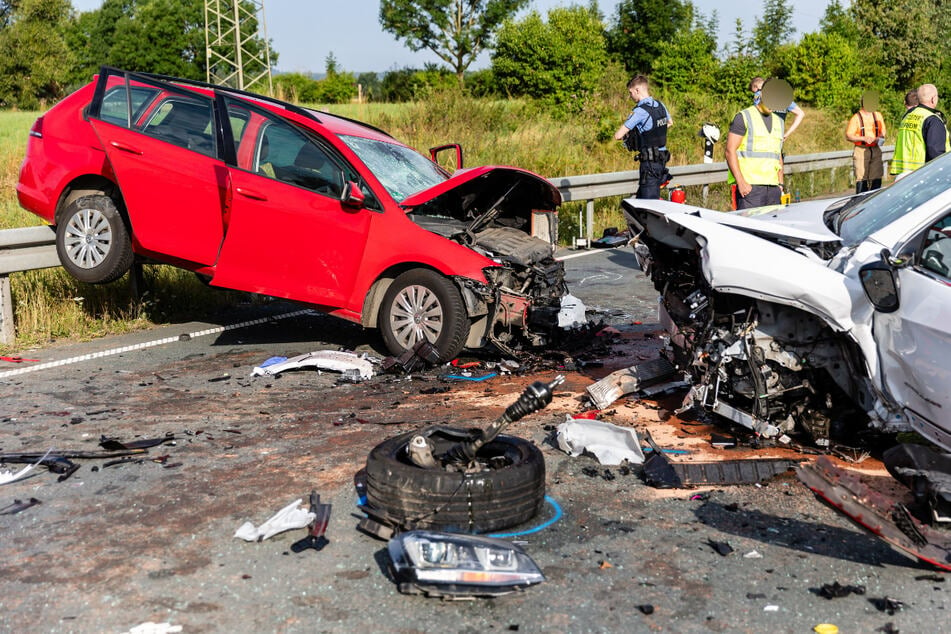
{"points": [[253, 194], [125, 148]]}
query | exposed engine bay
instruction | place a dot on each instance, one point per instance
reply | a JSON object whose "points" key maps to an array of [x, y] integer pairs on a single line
{"points": [[775, 369], [520, 305]]}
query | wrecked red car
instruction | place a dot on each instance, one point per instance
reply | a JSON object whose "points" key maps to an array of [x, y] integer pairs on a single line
{"points": [[259, 195]]}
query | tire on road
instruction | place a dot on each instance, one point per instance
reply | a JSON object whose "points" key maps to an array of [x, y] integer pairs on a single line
{"points": [[511, 491], [92, 242], [422, 304]]}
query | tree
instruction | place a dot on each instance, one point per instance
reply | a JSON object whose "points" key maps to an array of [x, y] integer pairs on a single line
{"points": [[773, 29], [687, 62], [455, 30], [337, 86], [902, 35], [559, 61], [825, 70], [34, 58], [642, 26]]}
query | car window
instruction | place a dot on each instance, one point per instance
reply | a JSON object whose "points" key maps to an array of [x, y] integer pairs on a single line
{"points": [[401, 170], [936, 248], [115, 107], [887, 205], [184, 121], [286, 154]]}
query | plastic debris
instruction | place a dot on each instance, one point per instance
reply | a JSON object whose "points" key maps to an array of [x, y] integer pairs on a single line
{"points": [[468, 376], [6, 477], [722, 548], [337, 361], [610, 444], [617, 384], [18, 506], [826, 628], [288, 518], [835, 590], [421, 355], [150, 627], [315, 536], [571, 314]]}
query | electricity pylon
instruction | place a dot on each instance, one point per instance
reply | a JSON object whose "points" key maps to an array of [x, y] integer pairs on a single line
{"points": [[231, 27]]}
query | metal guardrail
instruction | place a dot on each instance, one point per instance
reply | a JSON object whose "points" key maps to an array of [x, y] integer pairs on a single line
{"points": [[32, 248]]}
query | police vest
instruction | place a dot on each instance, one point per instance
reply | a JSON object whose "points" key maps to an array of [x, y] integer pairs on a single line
{"points": [[656, 137], [759, 154], [910, 141]]}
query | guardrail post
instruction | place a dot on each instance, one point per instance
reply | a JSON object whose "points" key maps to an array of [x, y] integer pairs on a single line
{"points": [[589, 221], [7, 331]]}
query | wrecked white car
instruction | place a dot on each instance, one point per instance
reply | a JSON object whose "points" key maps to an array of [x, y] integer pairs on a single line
{"points": [[818, 319]]}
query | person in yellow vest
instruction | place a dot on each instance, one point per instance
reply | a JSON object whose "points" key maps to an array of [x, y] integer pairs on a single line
{"points": [[922, 134], [754, 149], [866, 129]]}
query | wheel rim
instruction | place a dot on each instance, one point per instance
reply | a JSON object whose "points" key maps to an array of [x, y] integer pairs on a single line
{"points": [[416, 315], [88, 238]]}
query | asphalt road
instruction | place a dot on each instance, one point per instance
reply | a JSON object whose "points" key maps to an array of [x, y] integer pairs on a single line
{"points": [[115, 546]]}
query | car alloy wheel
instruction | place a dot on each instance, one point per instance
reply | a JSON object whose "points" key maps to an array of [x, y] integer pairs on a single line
{"points": [[423, 305], [92, 242]]}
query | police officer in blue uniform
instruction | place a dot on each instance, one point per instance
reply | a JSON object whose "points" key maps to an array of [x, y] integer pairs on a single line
{"points": [[645, 132]]}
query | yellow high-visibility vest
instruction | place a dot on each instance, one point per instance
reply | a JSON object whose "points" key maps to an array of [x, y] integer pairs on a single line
{"points": [[760, 152]]}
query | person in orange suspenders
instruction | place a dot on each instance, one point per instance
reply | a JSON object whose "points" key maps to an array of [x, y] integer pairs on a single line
{"points": [[866, 129]]}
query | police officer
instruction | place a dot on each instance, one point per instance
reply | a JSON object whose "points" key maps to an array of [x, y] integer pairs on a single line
{"points": [[922, 134], [645, 132], [754, 149]]}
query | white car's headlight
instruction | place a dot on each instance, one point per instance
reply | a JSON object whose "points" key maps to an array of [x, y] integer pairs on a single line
{"points": [[458, 565]]}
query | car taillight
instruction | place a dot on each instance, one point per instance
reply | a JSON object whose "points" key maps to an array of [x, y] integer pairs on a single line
{"points": [[37, 129]]}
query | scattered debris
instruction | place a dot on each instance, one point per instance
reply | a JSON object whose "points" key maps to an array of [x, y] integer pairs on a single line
{"points": [[336, 361], [468, 376], [315, 537], [17, 359], [646, 608], [114, 444], [662, 473], [457, 566], [835, 590], [609, 444], [288, 518], [723, 442], [888, 604], [422, 355], [18, 506], [629, 380], [753, 554], [927, 474], [150, 627], [880, 514], [572, 311], [722, 548], [826, 628], [6, 477]]}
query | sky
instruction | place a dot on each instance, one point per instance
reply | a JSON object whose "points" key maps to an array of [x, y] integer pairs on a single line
{"points": [[304, 33]]}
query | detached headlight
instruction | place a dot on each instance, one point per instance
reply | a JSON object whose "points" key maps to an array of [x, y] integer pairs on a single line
{"points": [[458, 565]]}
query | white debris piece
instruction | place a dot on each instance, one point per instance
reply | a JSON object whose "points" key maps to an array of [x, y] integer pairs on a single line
{"points": [[6, 477], [338, 361], [610, 444], [571, 314], [150, 627], [288, 518]]}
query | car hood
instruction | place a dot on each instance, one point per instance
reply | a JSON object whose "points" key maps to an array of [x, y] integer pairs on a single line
{"points": [[470, 193], [791, 225]]}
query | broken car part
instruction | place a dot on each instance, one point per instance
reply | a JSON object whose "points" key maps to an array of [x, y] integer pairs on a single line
{"points": [[315, 534], [454, 566], [288, 518], [422, 355], [18, 506], [114, 444], [818, 319], [6, 477], [336, 361], [609, 444], [880, 514], [927, 474], [629, 380], [661, 473]]}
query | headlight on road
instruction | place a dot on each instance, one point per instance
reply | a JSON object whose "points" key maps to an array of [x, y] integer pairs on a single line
{"points": [[457, 565]]}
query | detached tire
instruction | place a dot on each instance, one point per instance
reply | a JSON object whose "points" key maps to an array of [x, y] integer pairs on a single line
{"points": [[92, 241], [423, 305], [481, 502]]}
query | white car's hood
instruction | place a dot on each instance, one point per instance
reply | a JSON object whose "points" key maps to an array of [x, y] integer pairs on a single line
{"points": [[799, 223]]}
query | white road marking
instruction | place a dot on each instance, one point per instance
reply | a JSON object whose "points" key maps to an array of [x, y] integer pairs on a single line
{"points": [[152, 344]]}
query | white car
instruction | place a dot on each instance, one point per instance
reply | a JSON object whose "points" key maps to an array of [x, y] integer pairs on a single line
{"points": [[819, 318]]}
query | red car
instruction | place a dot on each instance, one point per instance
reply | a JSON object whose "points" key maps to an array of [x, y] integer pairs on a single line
{"points": [[264, 196]]}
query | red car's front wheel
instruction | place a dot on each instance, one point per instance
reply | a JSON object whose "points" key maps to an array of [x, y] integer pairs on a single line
{"points": [[423, 305]]}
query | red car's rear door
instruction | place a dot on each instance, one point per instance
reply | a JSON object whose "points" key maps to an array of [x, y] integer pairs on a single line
{"points": [[288, 235], [164, 153]]}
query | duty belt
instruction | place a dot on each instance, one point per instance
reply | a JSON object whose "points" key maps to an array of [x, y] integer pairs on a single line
{"points": [[653, 154]]}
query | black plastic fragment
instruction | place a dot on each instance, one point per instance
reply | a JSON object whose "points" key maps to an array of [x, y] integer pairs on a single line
{"points": [[722, 548], [835, 590], [887, 604], [18, 506], [114, 444], [646, 608]]}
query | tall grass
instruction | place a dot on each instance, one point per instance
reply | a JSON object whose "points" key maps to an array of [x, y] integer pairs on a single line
{"points": [[50, 306]]}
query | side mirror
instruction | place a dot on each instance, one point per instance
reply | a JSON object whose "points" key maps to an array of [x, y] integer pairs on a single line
{"points": [[451, 166], [352, 196], [881, 286]]}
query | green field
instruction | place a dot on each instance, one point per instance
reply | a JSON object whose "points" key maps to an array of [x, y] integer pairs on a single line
{"points": [[50, 306]]}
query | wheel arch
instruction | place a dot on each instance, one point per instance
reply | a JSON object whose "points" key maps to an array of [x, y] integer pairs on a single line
{"points": [[374, 296], [90, 185]]}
